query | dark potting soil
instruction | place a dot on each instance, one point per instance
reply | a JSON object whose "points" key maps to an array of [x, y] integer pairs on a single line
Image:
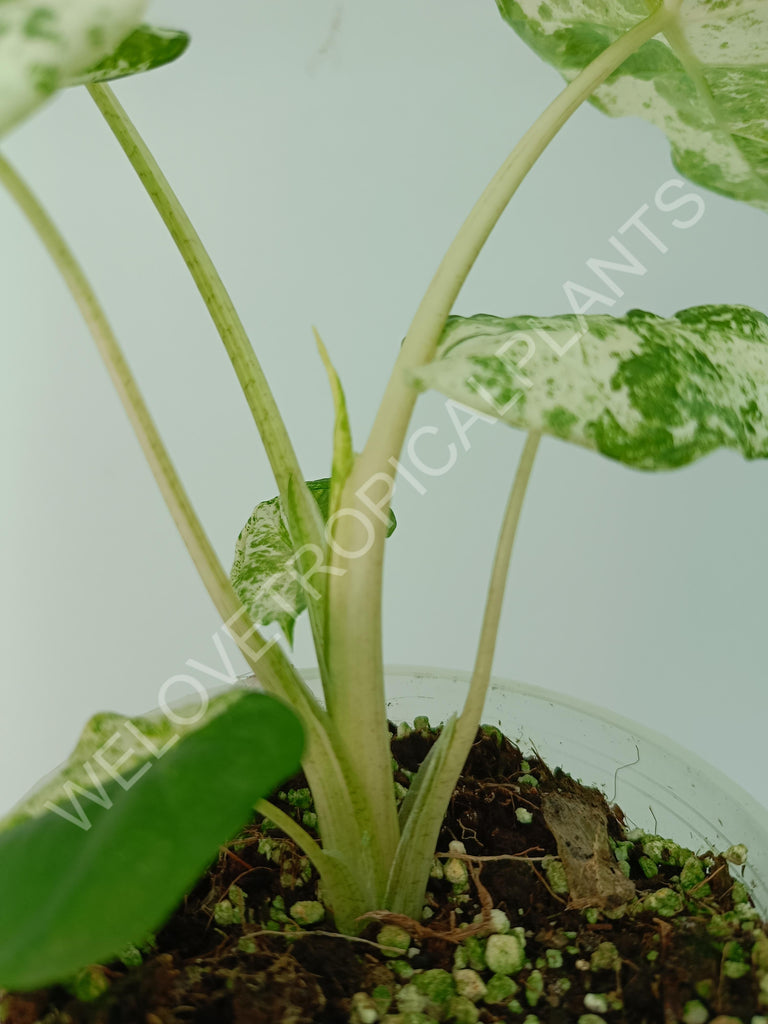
{"points": [[539, 847]]}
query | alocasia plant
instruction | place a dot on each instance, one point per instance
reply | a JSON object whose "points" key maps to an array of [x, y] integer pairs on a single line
{"points": [[651, 392]]}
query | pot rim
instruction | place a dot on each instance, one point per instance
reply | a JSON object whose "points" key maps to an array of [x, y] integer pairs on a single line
{"points": [[650, 739], [677, 776]]}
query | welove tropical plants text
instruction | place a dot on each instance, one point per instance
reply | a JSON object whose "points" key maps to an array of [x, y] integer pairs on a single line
{"points": [[653, 393]]}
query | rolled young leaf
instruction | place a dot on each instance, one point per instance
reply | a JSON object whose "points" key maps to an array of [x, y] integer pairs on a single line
{"points": [[43, 44], [343, 453], [143, 50], [650, 392], [101, 853], [704, 82], [421, 817], [265, 573]]}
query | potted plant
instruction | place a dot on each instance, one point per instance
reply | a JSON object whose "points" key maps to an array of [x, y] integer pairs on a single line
{"points": [[109, 843]]}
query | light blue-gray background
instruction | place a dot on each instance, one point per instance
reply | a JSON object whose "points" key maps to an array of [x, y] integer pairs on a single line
{"points": [[327, 151]]}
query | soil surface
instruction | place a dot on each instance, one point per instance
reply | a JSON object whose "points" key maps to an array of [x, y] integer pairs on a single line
{"points": [[616, 926]]}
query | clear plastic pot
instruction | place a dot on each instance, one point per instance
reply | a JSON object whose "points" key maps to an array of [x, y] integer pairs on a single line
{"points": [[669, 791]]}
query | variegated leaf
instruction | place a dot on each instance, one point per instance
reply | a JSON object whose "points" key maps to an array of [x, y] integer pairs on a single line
{"points": [[704, 82], [653, 393], [144, 50], [265, 574], [44, 43]]}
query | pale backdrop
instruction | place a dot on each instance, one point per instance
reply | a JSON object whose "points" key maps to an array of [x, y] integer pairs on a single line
{"points": [[327, 151]]}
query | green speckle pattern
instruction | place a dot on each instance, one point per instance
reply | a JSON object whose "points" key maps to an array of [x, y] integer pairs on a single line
{"points": [[265, 573], [650, 392], [45, 79], [145, 49], [41, 24], [704, 82], [96, 36], [42, 45], [561, 421]]}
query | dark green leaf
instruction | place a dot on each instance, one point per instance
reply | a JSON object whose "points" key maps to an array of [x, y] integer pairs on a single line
{"points": [[88, 866], [143, 50]]}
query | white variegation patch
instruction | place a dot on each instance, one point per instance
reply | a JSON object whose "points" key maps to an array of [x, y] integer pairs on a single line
{"points": [[652, 393], [265, 574], [704, 82], [43, 44]]}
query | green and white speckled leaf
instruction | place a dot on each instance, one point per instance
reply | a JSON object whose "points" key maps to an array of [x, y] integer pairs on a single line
{"points": [[99, 857], [650, 392], [144, 50], [44, 43], [265, 573], [704, 82]]}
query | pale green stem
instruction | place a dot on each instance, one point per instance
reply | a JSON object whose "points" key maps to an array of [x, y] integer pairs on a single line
{"points": [[260, 400], [478, 686], [389, 428], [187, 523], [341, 889], [302, 512], [409, 897], [342, 814], [293, 830], [355, 643]]}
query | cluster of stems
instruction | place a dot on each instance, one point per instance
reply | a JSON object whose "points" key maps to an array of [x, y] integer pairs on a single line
{"points": [[370, 856]]}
